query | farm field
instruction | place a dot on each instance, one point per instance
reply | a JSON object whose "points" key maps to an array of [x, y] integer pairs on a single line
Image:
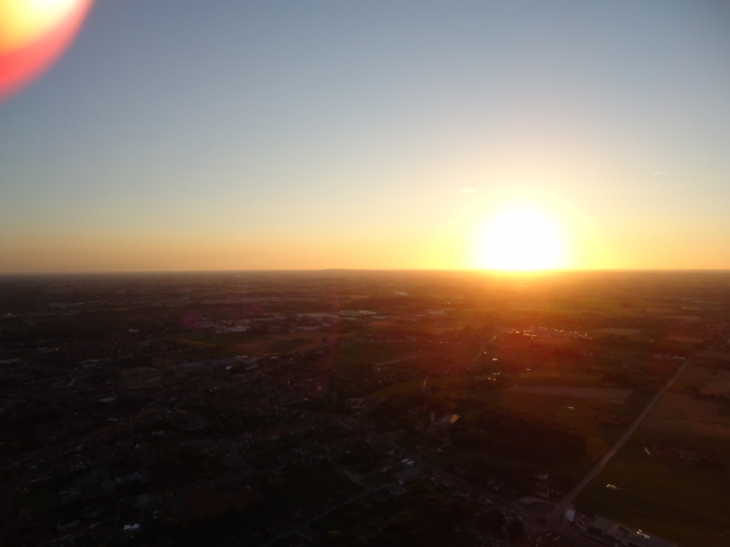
{"points": [[609, 395], [684, 501], [696, 406], [616, 331], [581, 414], [352, 354], [684, 414]]}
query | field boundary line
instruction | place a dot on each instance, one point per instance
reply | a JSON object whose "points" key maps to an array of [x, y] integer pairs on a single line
{"points": [[397, 359]]}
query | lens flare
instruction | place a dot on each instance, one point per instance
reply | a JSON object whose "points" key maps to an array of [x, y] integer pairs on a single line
{"points": [[33, 35]]}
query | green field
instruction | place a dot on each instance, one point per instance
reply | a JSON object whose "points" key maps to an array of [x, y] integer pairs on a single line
{"points": [[353, 353], [207, 344], [679, 501]]}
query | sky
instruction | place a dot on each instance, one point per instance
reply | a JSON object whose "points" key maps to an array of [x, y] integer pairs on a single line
{"points": [[186, 135]]}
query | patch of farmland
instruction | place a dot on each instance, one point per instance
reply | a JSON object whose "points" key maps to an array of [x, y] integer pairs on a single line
{"points": [[612, 395], [550, 373], [708, 382], [252, 348], [616, 332], [283, 344], [699, 375], [684, 339], [681, 413], [719, 355]]}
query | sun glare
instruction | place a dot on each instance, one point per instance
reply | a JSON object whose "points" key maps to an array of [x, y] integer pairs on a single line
{"points": [[520, 239]]}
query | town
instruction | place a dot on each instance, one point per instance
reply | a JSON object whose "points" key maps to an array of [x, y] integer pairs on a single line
{"points": [[365, 408]]}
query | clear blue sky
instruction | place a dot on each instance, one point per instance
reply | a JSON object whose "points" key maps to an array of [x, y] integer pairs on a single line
{"points": [[231, 134]]}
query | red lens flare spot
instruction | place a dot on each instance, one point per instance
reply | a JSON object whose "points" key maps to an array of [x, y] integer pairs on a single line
{"points": [[33, 35]]}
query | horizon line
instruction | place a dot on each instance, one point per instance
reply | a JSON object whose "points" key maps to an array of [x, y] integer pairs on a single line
{"points": [[373, 270]]}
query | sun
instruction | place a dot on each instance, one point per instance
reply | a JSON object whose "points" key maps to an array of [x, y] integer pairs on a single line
{"points": [[520, 239]]}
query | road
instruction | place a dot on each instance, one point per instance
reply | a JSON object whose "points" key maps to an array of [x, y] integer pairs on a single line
{"points": [[398, 359], [481, 350], [560, 509]]}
